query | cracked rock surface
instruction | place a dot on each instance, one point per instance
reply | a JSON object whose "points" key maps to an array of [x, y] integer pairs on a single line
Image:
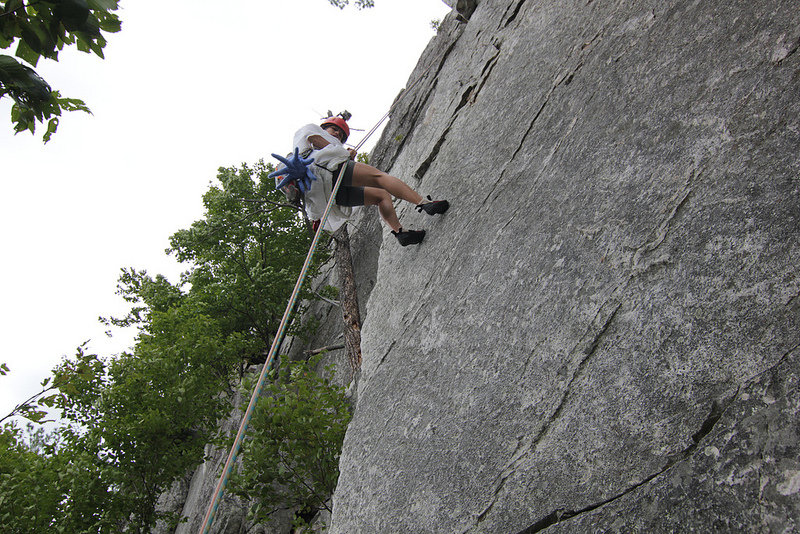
{"points": [[601, 334]]}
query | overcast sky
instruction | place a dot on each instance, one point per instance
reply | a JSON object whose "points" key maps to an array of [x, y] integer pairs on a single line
{"points": [[187, 86]]}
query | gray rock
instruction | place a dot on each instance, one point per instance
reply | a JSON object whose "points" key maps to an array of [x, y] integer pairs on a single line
{"points": [[601, 335], [743, 476]]}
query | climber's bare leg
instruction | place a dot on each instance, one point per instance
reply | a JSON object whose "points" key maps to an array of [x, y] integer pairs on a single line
{"points": [[374, 196], [367, 176]]}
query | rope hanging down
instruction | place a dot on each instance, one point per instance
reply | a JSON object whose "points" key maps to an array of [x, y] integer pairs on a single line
{"points": [[237, 444], [208, 520]]}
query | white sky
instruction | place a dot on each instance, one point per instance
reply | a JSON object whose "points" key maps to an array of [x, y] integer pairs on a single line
{"points": [[187, 86]]}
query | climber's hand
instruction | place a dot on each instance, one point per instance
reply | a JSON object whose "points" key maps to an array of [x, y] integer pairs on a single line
{"points": [[297, 170], [303, 184]]}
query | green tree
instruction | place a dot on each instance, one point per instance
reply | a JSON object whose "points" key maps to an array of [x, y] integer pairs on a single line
{"points": [[162, 404], [30, 488], [131, 425], [42, 28], [164, 399], [291, 457], [51, 482], [246, 253]]}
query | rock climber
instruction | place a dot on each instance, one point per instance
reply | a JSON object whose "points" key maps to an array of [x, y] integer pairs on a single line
{"points": [[362, 184]]}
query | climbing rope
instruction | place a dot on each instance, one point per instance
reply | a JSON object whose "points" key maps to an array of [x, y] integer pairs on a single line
{"points": [[208, 520], [237, 443]]}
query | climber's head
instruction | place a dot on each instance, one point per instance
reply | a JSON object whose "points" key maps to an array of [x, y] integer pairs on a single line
{"points": [[338, 127]]}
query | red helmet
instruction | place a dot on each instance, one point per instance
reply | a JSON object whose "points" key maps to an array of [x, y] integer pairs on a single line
{"points": [[339, 123]]}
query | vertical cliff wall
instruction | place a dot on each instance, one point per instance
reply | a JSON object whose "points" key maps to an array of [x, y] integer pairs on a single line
{"points": [[602, 332]]}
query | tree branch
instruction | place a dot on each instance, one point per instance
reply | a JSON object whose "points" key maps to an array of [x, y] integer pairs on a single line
{"points": [[24, 6], [302, 481], [325, 299], [26, 403], [320, 350]]}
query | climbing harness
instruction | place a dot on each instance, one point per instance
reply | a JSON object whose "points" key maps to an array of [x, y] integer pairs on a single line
{"points": [[208, 520]]}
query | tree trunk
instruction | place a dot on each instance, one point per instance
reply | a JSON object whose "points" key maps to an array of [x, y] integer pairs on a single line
{"points": [[348, 298]]}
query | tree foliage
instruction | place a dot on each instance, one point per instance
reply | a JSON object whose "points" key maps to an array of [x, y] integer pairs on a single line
{"points": [[30, 488], [246, 252], [291, 457], [133, 424], [42, 28], [52, 482]]}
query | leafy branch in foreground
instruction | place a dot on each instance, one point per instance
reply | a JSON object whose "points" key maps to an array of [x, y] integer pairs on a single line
{"points": [[291, 457], [32, 407], [42, 28], [54, 389]]}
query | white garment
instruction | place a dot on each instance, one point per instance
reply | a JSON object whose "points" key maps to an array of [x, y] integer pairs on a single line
{"points": [[326, 160]]}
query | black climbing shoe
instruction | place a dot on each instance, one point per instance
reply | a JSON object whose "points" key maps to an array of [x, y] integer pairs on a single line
{"points": [[409, 237], [432, 207]]}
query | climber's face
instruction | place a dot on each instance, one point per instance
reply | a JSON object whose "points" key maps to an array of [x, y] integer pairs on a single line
{"points": [[335, 131]]}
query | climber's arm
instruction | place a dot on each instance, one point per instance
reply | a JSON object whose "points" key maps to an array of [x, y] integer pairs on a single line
{"points": [[317, 141]]}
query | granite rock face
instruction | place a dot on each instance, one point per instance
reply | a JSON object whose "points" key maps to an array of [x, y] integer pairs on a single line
{"points": [[602, 334]]}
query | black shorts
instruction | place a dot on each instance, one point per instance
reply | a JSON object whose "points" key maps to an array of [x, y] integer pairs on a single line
{"points": [[348, 194]]}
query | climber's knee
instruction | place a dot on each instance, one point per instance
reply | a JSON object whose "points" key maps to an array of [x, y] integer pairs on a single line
{"points": [[375, 196]]}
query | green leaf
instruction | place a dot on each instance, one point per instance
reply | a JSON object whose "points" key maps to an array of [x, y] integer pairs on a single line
{"points": [[34, 415], [111, 25], [31, 37], [72, 13], [107, 5], [52, 126], [97, 49], [24, 51], [49, 401]]}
